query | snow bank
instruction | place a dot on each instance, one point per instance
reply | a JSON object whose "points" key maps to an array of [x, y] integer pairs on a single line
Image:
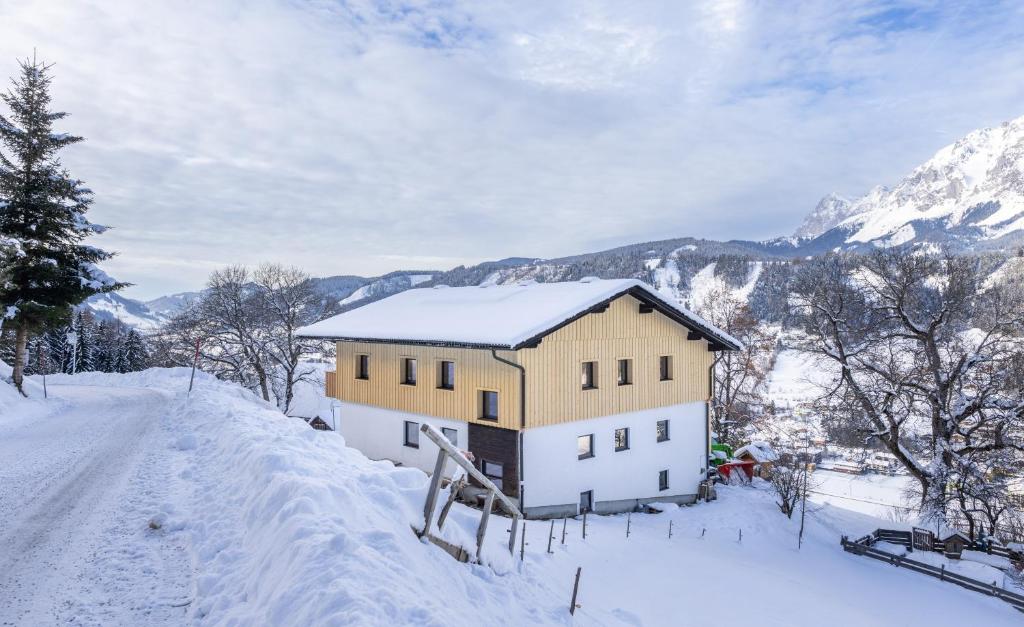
{"points": [[14, 406], [290, 527]]}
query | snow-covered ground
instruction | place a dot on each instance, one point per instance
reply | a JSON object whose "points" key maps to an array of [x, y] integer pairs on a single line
{"points": [[216, 509]]}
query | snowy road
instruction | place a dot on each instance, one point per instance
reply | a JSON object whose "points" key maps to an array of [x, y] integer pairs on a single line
{"points": [[78, 490]]}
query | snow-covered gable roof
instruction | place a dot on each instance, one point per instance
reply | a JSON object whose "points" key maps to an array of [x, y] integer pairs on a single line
{"points": [[497, 316], [761, 452]]}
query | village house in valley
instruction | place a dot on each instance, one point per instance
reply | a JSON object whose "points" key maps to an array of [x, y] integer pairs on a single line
{"points": [[589, 395]]}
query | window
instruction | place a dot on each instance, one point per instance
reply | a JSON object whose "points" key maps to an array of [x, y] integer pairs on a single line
{"points": [[665, 367], [408, 371], [625, 371], [446, 375], [451, 434], [585, 446], [362, 367], [621, 439], [662, 481], [488, 405], [493, 471], [589, 375], [662, 429], [587, 501], [412, 434]]}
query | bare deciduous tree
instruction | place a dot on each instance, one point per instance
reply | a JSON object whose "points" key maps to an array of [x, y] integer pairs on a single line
{"points": [[739, 376], [921, 349], [245, 323]]}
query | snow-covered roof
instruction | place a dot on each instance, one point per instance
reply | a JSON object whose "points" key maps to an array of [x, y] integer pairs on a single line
{"points": [[496, 316], [761, 452]]}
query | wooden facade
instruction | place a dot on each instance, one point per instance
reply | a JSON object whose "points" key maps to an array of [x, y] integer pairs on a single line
{"points": [[554, 391]]}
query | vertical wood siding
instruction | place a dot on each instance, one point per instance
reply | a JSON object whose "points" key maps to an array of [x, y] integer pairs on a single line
{"points": [[553, 372], [554, 368], [475, 370]]}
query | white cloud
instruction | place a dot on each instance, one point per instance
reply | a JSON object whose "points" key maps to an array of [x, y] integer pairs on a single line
{"points": [[360, 137]]}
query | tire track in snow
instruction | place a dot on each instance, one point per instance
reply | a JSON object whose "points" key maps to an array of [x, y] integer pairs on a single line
{"points": [[81, 487]]}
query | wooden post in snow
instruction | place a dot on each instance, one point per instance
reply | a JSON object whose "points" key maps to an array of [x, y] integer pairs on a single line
{"points": [[563, 529], [628, 522], [584, 525], [432, 491], [551, 534], [512, 537], [482, 529], [670, 530], [522, 543], [191, 379]]}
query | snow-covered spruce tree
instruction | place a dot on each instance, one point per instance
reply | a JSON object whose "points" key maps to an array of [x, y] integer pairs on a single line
{"points": [[135, 355], [923, 351], [42, 209]]}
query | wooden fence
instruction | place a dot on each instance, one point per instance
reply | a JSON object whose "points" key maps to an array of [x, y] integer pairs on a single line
{"points": [[864, 546]]}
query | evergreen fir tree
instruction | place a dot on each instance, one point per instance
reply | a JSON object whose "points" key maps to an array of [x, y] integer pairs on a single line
{"points": [[136, 355], [85, 341], [42, 212]]}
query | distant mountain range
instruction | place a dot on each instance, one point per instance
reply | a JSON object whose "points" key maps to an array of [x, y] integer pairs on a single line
{"points": [[969, 197]]}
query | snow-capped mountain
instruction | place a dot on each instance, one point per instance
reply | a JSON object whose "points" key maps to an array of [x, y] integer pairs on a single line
{"points": [[128, 310], [830, 211], [969, 196]]}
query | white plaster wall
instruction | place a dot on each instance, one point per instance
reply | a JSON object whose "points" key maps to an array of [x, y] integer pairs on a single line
{"points": [[380, 434], [553, 474]]}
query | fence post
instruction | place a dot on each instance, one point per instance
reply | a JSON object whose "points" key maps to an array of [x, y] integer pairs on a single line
{"points": [[628, 522], [703, 529], [512, 537], [522, 543], [563, 529], [942, 573], [741, 535], [670, 530], [584, 525], [575, 590], [551, 534]]}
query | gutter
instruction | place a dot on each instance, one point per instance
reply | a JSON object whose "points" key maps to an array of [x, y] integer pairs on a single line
{"points": [[522, 419]]}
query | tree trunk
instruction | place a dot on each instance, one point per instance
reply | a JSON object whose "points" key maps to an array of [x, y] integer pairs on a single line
{"points": [[20, 350]]}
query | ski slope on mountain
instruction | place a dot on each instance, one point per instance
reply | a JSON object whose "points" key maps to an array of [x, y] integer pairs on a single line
{"points": [[215, 509]]}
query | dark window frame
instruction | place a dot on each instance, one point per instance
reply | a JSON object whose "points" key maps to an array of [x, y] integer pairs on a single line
{"points": [[444, 382], [667, 436], [589, 494], [663, 480], [495, 479], [362, 366], [624, 447], [590, 449], [625, 372], [665, 367], [588, 375], [406, 371], [484, 405], [446, 430], [405, 434]]}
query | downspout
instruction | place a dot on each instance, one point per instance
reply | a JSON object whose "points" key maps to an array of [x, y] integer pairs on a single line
{"points": [[707, 423], [522, 418]]}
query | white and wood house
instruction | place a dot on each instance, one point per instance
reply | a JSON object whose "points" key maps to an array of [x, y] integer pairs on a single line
{"points": [[584, 395]]}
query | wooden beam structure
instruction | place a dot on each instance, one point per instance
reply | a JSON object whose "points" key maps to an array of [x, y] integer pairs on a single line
{"points": [[446, 450]]}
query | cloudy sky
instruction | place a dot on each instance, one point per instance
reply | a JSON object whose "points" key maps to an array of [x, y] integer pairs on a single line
{"points": [[362, 137]]}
